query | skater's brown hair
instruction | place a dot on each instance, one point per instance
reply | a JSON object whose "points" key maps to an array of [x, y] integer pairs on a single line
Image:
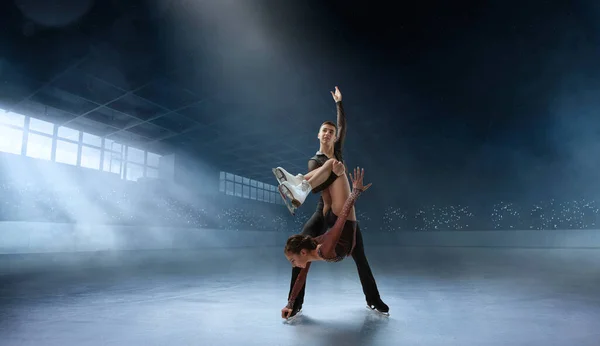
{"points": [[330, 123], [299, 242]]}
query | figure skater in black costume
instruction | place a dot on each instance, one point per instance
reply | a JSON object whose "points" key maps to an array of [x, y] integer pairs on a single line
{"points": [[332, 139]]}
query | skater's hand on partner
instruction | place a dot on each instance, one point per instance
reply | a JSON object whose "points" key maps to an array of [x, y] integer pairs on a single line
{"points": [[337, 95], [357, 180], [338, 168], [286, 312]]}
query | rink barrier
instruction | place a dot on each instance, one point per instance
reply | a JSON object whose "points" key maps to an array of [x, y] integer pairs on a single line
{"points": [[34, 247], [40, 237]]}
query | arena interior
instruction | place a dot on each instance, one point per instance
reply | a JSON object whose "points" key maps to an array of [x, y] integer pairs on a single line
{"points": [[138, 205]]}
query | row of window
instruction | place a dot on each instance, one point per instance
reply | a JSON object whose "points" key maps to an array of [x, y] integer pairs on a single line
{"points": [[235, 185], [47, 141]]}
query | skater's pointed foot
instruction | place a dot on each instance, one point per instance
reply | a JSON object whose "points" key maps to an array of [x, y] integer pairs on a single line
{"points": [[295, 314], [296, 311]]}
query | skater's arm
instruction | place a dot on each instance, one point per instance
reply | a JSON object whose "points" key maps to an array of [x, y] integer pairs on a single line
{"points": [[341, 119], [300, 280], [333, 235], [341, 126]]}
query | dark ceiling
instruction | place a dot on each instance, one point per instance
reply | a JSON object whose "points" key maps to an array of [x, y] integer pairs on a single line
{"points": [[244, 84], [135, 85]]}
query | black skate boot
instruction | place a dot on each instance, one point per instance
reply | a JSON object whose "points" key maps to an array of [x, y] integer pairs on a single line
{"points": [[379, 306]]}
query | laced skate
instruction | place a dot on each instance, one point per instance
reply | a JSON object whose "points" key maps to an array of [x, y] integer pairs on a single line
{"points": [[296, 193], [282, 175]]}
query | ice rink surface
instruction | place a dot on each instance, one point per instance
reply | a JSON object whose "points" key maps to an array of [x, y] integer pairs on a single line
{"points": [[437, 296]]}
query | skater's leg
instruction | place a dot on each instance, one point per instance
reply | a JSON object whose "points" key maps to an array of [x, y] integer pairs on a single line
{"points": [[315, 177], [367, 280], [339, 191], [297, 193], [319, 176], [300, 298]]}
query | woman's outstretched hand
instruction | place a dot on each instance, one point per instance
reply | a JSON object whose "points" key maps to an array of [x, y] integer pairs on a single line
{"points": [[357, 180]]}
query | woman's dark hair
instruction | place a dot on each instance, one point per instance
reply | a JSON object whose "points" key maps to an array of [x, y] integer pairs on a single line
{"points": [[299, 242]]}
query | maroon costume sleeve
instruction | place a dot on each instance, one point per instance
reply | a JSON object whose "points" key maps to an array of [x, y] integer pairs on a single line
{"points": [[300, 280], [331, 238]]}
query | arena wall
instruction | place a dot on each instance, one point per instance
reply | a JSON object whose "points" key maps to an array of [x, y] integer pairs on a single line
{"points": [[31, 245]]}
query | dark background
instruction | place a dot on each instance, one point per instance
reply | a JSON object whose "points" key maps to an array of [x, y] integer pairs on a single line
{"points": [[468, 102]]}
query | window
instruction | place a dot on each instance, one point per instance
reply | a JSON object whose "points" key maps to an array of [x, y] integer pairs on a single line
{"points": [[135, 155], [39, 146], [236, 185], [10, 118], [151, 172], [92, 140], [11, 140], [68, 133], [109, 144], [112, 162], [66, 152], [259, 194], [134, 171], [153, 159], [90, 157], [113, 165], [41, 126]]}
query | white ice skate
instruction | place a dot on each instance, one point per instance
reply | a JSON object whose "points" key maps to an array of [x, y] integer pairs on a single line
{"points": [[282, 175], [287, 202], [294, 193]]}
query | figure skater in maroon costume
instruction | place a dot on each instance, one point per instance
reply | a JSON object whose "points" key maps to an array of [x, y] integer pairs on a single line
{"points": [[338, 242]]}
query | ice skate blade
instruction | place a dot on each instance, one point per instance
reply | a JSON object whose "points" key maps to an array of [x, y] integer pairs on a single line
{"points": [[288, 197], [278, 175], [296, 203], [287, 203], [386, 314]]}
